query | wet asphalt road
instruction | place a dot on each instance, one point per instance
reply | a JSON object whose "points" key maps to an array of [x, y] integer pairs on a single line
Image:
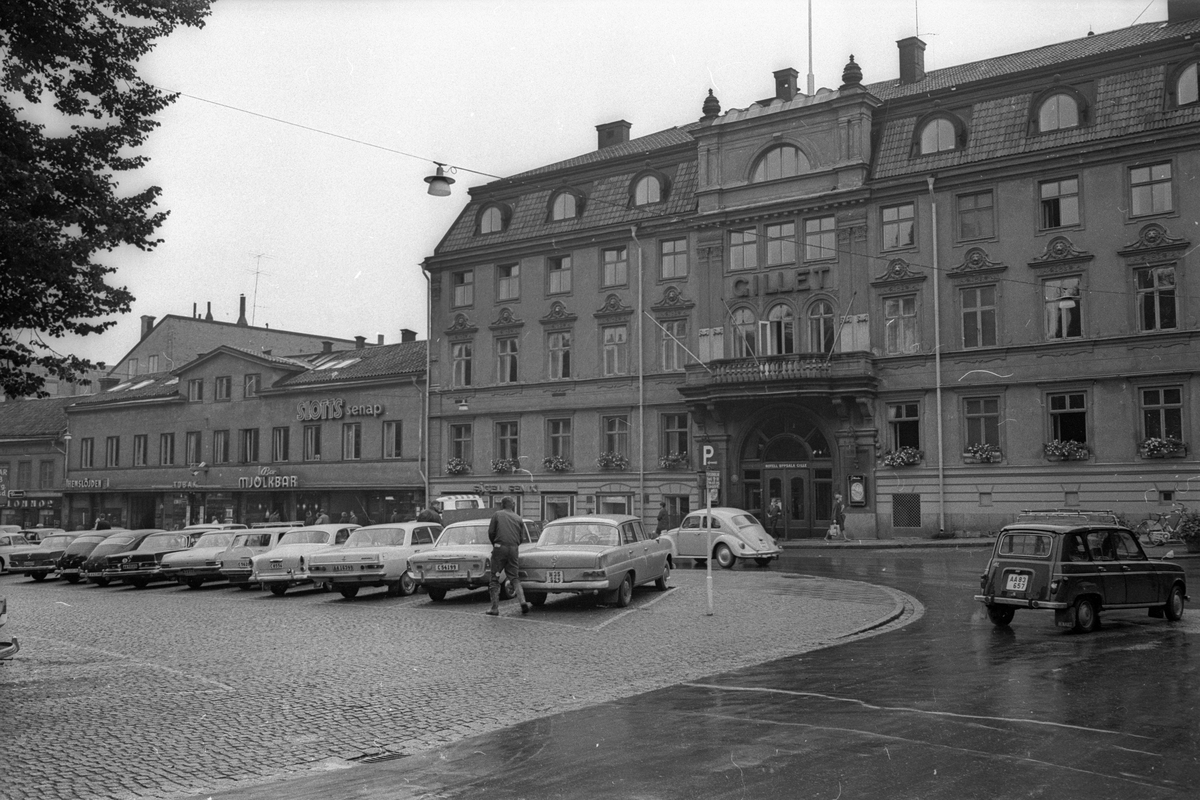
{"points": [[946, 707]]}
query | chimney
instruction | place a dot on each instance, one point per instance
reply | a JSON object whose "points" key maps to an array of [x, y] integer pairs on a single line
{"points": [[360, 342], [326, 346], [379, 338], [147, 325], [1182, 10], [195, 311], [107, 382], [912, 60], [407, 335], [208, 316], [611, 133], [242, 311], [785, 84]]}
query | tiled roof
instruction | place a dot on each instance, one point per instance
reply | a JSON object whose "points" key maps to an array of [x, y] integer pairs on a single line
{"points": [[159, 385], [607, 203], [380, 361], [23, 418], [1127, 102], [671, 137], [283, 361], [1039, 58]]}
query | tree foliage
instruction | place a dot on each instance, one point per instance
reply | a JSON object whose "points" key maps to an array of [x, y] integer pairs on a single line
{"points": [[60, 202]]}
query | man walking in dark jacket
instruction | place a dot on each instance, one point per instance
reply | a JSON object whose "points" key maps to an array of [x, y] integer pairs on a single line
{"points": [[505, 535]]}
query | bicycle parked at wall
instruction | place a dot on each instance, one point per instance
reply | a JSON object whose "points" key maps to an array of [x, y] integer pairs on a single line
{"points": [[1159, 529]]}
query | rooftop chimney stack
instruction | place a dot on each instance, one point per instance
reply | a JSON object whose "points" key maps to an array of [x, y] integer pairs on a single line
{"points": [[208, 316], [407, 335], [379, 338], [147, 325], [785, 84], [1182, 10], [611, 133], [242, 311], [912, 60], [326, 346], [360, 342]]}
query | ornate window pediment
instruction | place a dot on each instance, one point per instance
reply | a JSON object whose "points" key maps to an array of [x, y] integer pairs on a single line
{"points": [[898, 271], [1060, 250], [976, 262], [506, 319], [558, 316], [672, 304], [461, 327], [613, 307], [1154, 243]]}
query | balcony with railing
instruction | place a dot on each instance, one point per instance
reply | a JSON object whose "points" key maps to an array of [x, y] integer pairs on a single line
{"points": [[804, 373]]}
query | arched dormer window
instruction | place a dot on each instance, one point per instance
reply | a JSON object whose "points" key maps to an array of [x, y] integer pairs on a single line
{"points": [[1057, 109], [938, 132], [1186, 90], [648, 188], [566, 205], [493, 218], [781, 161]]}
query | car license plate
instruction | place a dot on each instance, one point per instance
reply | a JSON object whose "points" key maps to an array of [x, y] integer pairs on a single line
{"points": [[1017, 583], [447, 567], [129, 566], [275, 566], [244, 563], [342, 567], [554, 576]]}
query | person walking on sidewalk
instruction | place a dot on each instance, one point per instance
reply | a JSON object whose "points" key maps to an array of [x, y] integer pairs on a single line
{"points": [[504, 531]]}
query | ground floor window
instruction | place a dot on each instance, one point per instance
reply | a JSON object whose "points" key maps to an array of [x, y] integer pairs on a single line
{"points": [[678, 507], [614, 504], [557, 505]]}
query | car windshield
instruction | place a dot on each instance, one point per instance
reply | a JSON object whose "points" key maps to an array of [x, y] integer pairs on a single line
{"points": [[113, 544], [376, 537], [1032, 544], [305, 537], [52, 542], [215, 539], [252, 540], [165, 541], [465, 534], [579, 533]]}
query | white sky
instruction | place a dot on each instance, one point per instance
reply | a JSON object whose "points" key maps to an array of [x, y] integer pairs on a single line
{"points": [[497, 87]]}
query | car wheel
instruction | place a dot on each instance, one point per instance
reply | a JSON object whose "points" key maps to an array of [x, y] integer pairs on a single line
{"points": [[3, 566], [349, 592], [278, 589], [724, 556], [762, 562], [403, 587], [625, 592], [71, 578], [537, 598], [1001, 616], [507, 591], [661, 583], [1087, 618], [436, 595], [142, 584], [195, 583], [101, 582], [1174, 606], [38, 576]]}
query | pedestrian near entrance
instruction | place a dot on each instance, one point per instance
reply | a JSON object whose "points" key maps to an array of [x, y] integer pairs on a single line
{"points": [[504, 531], [102, 523], [274, 515], [429, 515], [322, 517], [395, 517], [353, 518], [663, 518], [774, 512], [308, 518], [838, 528]]}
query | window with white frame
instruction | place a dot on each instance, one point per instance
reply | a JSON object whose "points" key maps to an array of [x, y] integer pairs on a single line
{"points": [[220, 447], [392, 439], [648, 190], [141, 443], [507, 440], [563, 207], [193, 448], [1156, 303], [312, 442], [558, 438], [506, 359], [166, 449], [195, 390], [674, 334], [559, 348], [615, 349], [491, 220], [460, 442], [976, 217], [978, 316], [675, 440], [781, 244], [900, 324], [1162, 413], [223, 389], [780, 330], [112, 451], [1150, 190], [462, 286], [615, 266], [904, 425], [1059, 203], [673, 259], [1058, 111], [248, 450], [898, 226], [1063, 303], [558, 275], [460, 361], [508, 281], [745, 333], [822, 330], [87, 453], [781, 161], [615, 434], [1186, 91], [743, 249], [351, 441], [820, 238], [938, 135], [982, 416], [281, 444], [1068, 416]]}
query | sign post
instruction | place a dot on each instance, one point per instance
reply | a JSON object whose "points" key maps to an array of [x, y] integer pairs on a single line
{"points": [[712, 485]]}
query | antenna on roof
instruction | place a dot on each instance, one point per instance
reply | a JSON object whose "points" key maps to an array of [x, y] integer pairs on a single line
{"points": [[258, 257], [811, 81]]}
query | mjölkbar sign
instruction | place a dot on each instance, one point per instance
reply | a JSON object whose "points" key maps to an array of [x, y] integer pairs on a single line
{"points": [[335, 408], [268, 478]]}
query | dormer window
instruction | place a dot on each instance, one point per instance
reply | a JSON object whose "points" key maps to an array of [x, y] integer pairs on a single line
{"points": [[781, 161], [493, 218], [938, 135], [1186, 91], [565, 205], [648, 190], [1057, 112]]}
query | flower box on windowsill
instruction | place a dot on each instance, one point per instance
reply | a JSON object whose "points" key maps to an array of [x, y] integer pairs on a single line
{"points": [[613, 461], [556, 464], [904, 457], [503, 465], [674, 461], [1059, 450], [982, 454], [971, 458], [456, 466], [1162, 448]]}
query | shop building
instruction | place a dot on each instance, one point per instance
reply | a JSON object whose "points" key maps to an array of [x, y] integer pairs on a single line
{"points": [[33, 442], [238, 436], [948, 297]]}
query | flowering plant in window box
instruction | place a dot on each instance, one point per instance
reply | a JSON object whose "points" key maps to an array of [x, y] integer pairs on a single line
{"points": [[456, 466], [610, 460], [1154, 447], [981, 453], [556, 464], [1188, 529], [904, 457], [1068, 450], [673, 460], [504, 464]]}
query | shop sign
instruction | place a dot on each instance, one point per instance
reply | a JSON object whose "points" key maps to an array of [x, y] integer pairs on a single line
{"points": [[16, 492], [783, 282], [87, 483], [497, 488], [185, 485], [335, 408], [268, 478], [786, 465], [32, 502]]}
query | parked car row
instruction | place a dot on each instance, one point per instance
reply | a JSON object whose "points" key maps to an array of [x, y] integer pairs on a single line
{"points": [[603, 555]]}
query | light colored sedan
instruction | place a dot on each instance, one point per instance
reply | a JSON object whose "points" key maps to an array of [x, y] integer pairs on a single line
{"points": [[603, 554], [234, 564], [198, 564], [462, 558], [12, 542], [376, 555], [286, 564], [735, 534]]}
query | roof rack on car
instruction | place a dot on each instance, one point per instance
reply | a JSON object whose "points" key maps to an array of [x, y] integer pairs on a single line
{"points": [[1083, 514]]}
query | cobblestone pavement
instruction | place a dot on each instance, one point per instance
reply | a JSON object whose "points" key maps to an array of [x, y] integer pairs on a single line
{"points": [[169, 692]]}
